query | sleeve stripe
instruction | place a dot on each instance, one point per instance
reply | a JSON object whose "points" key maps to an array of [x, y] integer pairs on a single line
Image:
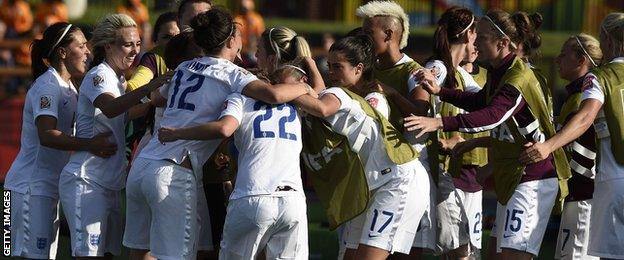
{"points": [[529, 128], [582, 170], [492, 126], [583, 151]]}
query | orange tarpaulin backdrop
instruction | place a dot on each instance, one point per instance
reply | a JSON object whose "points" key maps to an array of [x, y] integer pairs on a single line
{"points": [[10, 128]]}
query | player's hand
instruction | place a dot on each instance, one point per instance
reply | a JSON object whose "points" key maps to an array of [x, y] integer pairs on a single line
{"points": [[447, 145], [222, 161], [463, 147], [424, 124], [228, 188], [427, 81], [311, 91], [100, 145], [535, 152], [166, 134], [160, 81]]}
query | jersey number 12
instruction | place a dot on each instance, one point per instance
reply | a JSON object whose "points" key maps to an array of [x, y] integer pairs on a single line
{"points": [[176, 88]]}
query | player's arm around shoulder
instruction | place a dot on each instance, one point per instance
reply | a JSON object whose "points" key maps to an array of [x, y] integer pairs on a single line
{"points": [[224, 127], [326, 105], [112, 106]]}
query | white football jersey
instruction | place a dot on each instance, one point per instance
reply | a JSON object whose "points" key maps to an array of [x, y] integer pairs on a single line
{"points": [[608, 168], [38, 167], [269, 142], [364, 136], [90, 121], [196, 95]]}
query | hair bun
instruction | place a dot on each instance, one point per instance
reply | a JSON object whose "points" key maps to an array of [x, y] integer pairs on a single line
{"points": [[536, 19], [200, 22]]}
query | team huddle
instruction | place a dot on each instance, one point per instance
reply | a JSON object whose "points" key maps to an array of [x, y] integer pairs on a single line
{"points": [[397, 152]]}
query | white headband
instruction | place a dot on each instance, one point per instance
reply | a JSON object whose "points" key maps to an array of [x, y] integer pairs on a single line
{"points": [[467, 27], [226, 38], [296, 68], [501, 31], [585, 51], [60, 39]]}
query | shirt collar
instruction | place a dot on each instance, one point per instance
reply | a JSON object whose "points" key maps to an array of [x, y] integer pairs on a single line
{"points": [[575, 86]]}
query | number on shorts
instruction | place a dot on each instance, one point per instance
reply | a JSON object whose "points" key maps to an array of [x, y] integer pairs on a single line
{"points": [[258, 133], [390, 215], [514, 218], [477, 229], [176, 88], [567, 236]]}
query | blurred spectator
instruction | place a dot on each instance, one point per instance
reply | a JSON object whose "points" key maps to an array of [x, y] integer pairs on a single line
{"points": [[50, 12], [321, 59], [252, 26], [188, 9], [139, 13], [17, 16]]}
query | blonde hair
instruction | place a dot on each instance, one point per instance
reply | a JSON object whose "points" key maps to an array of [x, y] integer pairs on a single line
{"points": [[295, 68], [613, 25], [389, 9], [586, 45], [105, 32], [285, 44]]}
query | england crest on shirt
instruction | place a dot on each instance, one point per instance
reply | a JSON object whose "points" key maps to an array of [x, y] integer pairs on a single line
{"points": [[94, 239]]}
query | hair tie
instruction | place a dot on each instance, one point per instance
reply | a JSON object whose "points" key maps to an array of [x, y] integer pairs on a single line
{"points": [[585, 51], [467, 27], [501, 31], [59, 39]]}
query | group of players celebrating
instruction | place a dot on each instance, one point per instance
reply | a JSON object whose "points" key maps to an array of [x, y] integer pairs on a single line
{"points": [[397, 151]]}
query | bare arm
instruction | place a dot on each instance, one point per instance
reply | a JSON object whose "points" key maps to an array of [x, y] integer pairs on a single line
{"points": [[112, 107], [575, 127], [419, 104], [324, 106], [51, 137], [315, 75], [222, 128], [275, 94]]}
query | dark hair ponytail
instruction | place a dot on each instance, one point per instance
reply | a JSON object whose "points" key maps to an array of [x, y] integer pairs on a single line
{"points": [[357, 49], [527, 27], [452, 26], [180, 48], [212, 29], [43, 51]]}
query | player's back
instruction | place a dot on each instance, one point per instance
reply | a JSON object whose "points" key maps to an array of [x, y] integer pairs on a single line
{"points": [[269, 143]]}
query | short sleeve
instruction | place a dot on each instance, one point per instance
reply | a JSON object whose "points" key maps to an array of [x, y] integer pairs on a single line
{"points": [[46, 101], [437, 68], [240, 78], [592, 88], [379, 103], [339, 93], [92, 87], [234, 106]]}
